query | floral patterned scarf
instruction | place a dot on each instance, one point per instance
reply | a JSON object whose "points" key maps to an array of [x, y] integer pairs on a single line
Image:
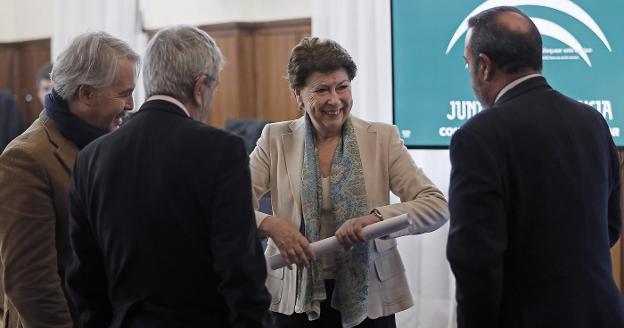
{"points": [[348, 198]]}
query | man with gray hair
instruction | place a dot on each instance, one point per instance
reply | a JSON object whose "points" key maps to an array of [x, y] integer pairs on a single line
{"points": [[93, 83], [162, 228]]}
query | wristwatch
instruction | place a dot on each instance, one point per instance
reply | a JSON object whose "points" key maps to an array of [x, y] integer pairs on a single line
{"points": [[376, 213]]}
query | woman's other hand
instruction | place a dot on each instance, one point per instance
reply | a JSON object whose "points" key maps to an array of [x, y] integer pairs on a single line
{"points": [[293, 246], [350, 233]]}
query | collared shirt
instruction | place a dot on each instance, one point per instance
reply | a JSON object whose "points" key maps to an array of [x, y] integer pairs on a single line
{"points": [[171, 100], [515, 83]]}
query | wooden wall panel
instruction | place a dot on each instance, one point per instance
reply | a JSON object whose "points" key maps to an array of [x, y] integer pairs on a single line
{"points": [[19, 64], [235, 92], [32, 56], [225, 101], [253, 82], [275, 101], [7, 57], [273, 45], [274, 42]]}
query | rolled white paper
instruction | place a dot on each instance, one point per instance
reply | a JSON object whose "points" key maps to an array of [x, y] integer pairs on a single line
{"points": [[331, 244]]}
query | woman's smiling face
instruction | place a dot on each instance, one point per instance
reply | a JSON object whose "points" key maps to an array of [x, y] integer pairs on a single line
{"points": [[326, 97]]}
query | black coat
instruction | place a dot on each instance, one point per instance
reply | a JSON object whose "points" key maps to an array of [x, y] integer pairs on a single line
{"points": [[535, 207], [163, 229]]}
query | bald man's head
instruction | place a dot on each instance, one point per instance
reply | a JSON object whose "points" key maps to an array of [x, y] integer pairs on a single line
{"points": [[508, 37], [513, 22]]}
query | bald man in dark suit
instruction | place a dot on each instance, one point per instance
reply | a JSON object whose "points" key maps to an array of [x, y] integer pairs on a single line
{"points": [[534, 192]]}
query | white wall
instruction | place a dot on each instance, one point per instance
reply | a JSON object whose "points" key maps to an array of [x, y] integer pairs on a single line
{"points": [[280, 9], [34, 19], [25, 20], [160, 13], [7, 23]]}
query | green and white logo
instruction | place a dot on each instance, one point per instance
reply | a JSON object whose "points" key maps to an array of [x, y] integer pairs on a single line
{"points": [[583, 58], [546, 27]]}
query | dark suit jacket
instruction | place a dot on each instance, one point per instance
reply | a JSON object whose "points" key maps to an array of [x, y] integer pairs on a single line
{"points": [[163, 229], [535, 206]]}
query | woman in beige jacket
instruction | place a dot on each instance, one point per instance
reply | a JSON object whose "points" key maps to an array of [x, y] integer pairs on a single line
{"points": [[331, 173]]}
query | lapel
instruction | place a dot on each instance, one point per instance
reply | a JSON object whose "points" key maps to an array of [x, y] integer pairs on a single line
{"points": [[292, 142], [65, 151], [366, 135]]}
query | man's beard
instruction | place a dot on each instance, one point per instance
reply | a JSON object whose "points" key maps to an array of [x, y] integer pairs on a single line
{"points": [[479, 91]]}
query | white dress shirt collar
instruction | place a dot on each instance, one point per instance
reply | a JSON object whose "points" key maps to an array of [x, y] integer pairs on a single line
{"points": [[514, 83], [171, 100]]}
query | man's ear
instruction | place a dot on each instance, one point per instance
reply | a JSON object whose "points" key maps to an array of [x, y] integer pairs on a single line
{"points": [[486, 67], [198, 96], [86, 94]]}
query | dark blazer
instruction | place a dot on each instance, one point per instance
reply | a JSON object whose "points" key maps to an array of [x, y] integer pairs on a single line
{"points": [[535, 206], [162, 227]]}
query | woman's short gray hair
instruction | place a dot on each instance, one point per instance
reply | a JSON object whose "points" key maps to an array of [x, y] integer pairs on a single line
{"points": [[175, 57], [91, 59]]}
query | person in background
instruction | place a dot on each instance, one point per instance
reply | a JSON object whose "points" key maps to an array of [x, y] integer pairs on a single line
{"points": [[534, 192], [328, 173], [162, 226], [11, 126], [11, 122], [93, 80], [44, 83]]}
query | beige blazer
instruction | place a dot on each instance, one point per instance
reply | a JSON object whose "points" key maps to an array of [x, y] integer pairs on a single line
{"points": [[276, 167], [34, 245]]}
